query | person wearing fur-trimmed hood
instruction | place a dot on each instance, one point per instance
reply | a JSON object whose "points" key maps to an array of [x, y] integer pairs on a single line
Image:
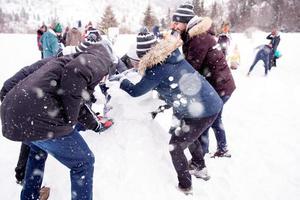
{"points": [[195, 103], [203, 53]]}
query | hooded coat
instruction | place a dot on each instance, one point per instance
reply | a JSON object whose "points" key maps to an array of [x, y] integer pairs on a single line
{"points": [[203, 53], [176, 81], [46, 103]]}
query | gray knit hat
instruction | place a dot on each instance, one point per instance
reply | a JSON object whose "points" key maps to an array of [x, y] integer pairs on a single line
{"points": [[184, 13], [144, 42]]}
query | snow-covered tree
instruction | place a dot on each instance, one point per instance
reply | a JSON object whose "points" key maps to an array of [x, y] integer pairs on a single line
{"points": [[108, 19], [149, 19]]}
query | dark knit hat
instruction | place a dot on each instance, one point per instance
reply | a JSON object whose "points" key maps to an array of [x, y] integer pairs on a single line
{"points": [[144, 42], [83, 46], [93, 35], [184, 13]]}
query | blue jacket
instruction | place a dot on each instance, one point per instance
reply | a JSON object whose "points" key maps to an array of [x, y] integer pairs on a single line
{"points": [[50, 44], [179, 84]]}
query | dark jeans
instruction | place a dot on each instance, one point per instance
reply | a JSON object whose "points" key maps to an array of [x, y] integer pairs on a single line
{"points": [[265, 59], [73, 152], [219, 131], [186, 137]]}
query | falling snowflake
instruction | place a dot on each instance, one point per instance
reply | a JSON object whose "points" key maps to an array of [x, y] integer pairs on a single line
{"points": [[39, 92], [171, 147], [171, 78], [85, 95], [53, 83], [195, 109], [190, 84], [53, 113]]}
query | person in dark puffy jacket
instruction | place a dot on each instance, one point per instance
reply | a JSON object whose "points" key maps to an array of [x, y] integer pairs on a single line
{"points": [[274, 38], [201, 51], [195, 103], [56, 92]]}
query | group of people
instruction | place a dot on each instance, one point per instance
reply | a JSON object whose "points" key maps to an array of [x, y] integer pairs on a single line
{"points": [[268, 53], [196, 84], [52, 39]]}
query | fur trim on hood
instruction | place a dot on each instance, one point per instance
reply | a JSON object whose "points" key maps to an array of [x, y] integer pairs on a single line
{"points": [[159, 53], [203, 25]]}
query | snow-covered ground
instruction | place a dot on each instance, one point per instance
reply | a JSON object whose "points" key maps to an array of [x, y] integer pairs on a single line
{"points": [[132, 159]]}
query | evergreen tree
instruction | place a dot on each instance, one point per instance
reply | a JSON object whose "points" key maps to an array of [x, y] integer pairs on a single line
{"points": [[168, 18], [108, 20], [199, 7], [149, 19], [163, 23]]}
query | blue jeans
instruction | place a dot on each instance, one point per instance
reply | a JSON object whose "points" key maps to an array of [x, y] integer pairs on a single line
{"points": [[73, 152], [265, 58], [219, 131]]}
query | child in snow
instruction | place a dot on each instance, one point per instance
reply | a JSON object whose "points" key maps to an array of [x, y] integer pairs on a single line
{"points": [[263, 54], [234, 58], [195, 103]]}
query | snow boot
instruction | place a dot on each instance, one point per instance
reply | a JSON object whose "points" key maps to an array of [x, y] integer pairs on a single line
{"points": [[198, 172], [221, 153], [44, 193], [186, 191]]}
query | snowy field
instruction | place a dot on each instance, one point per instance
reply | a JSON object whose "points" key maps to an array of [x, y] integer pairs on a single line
{"points": [[132, 159]]}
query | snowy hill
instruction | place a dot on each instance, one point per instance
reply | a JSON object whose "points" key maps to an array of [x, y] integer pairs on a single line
{"points": [[88, 10], [132, 158]]}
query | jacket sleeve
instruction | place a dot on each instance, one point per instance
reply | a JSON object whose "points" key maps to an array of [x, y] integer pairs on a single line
{"points": [[74, 83], [20, 75], [145, 85], [270, 37], [197, 52]]}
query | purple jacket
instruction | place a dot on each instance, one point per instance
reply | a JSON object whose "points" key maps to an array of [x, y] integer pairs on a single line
{"points": [[203, 53]]}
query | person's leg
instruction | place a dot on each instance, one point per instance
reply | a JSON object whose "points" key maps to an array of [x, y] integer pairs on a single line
{"points": [[73, 152], [219, 129], [257, 58], [267, 65], [189, 132], [34, 173], [22, 161], [204, 141]]}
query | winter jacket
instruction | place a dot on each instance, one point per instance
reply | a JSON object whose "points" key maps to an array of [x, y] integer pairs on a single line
{"points": [[176, 81], [275, 39], [49, 43], [264, 51], [201, 51], [73, 37], [46, 103]]}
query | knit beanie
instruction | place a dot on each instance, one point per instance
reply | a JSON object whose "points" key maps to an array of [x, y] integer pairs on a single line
{"points": [[144, 42], [184, 13]]}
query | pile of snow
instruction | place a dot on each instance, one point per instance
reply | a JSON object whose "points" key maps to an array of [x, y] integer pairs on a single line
{"points": [[132, 159]]}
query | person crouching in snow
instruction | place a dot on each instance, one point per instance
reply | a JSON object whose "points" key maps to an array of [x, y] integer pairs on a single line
{"points": [[195, 103], [42, 109], [263, 54]]}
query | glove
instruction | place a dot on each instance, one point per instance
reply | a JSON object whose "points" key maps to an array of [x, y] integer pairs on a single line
{"points": [[117, 77]]}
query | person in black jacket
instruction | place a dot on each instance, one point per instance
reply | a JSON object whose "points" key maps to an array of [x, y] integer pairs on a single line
{"points": [[56, 90], [275, 40]]}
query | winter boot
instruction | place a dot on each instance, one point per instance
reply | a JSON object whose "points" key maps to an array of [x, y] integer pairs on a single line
{"points": [[221, 153], [44, 193], [186, 191], [198, 172]]}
